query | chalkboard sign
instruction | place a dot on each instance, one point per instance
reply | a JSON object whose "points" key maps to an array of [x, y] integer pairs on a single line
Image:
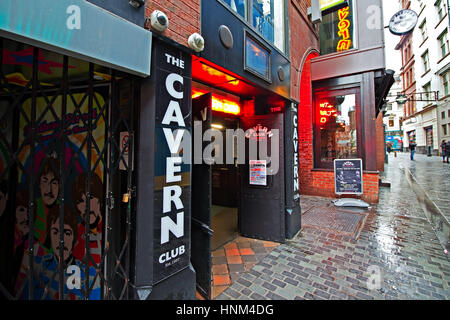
{"points": [[348, 176]]}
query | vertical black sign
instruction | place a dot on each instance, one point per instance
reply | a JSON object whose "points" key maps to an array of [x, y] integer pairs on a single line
{"points": [[295, 164], [172, 81], [348, 176]]}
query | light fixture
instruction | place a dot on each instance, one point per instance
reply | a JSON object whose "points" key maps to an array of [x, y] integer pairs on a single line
{"points": [[136, 3], [216, 126], [401, 99]]}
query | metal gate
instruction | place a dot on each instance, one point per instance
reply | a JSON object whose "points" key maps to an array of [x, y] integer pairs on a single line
{"points": [[66, 171]]}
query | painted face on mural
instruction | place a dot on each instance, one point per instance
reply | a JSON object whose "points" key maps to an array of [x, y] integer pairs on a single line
{"points": [[22, 220], [49, 187], [3, 200], [94, 210], [68, 239]]}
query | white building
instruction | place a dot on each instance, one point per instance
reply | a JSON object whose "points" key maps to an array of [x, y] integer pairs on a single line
{"points": [[429, 122]]}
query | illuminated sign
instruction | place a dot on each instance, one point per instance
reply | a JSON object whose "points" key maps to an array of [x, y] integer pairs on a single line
{"points": [[328, 4], [326, 111], [220, 104], [225, 106], [344, 25]]}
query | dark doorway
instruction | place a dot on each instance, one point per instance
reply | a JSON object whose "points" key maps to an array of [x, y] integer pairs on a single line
{"points": [[225, 181]]}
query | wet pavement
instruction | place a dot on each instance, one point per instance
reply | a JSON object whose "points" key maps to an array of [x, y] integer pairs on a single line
{"points": [[396, 255]]}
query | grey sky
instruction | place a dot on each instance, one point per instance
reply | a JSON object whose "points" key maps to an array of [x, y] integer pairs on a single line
{"points": [[393, 57]]}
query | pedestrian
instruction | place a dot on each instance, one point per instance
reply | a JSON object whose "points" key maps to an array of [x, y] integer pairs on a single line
{"points": [[389, 147], [447, 150], [443, 150], [412, 147]]}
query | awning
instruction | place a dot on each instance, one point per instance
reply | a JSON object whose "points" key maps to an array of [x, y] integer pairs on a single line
{"points": [[79, 29], [383, 85]]}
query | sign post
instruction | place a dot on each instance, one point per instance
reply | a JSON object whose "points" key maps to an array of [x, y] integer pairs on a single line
{"points": [[348, 179]]}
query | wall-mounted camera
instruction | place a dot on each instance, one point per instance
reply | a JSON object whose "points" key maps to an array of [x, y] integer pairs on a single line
{"points": [[159, 21], [196, 42]]}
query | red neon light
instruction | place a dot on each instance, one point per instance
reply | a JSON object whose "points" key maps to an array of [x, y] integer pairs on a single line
{"points": [[220, 104], [326, 111], [225, 106]]}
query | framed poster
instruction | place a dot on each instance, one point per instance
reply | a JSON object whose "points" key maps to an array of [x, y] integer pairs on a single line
{"points": [[348, 176], [258, 172]]}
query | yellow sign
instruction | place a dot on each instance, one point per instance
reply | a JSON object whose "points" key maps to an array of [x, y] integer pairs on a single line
{"points": [[327, 4], [344, 32]]}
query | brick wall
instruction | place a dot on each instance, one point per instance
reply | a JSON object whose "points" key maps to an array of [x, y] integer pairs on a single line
{"points": [[184, 17], [380, 142], [303, 38]]}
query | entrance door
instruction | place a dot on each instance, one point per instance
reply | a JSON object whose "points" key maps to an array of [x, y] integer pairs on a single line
{"points": [[201, 198], [261, 213]]}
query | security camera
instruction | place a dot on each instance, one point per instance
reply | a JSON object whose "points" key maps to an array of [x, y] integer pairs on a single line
{"points": [[159, 21], [196, 42]]}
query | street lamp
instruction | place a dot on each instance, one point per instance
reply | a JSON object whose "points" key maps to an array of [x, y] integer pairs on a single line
{"points": [[401, 99]]}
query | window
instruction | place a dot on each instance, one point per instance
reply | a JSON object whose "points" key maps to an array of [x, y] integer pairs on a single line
{"points": [[444, 129], [266, 17], [337, 126], [445, 80], [427, 90], [423, 30], [336, 32], [441, 8], [443, 114], [391, 122], [426, 61], [239, 6], [443, 43]]}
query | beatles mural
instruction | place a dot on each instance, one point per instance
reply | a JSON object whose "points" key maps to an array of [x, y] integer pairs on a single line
{"points": [[49, 175]]}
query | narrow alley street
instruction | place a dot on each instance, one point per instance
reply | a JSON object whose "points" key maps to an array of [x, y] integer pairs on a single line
{"points": [[396, 255]]}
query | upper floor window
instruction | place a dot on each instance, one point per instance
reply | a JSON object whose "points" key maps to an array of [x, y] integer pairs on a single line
{"points": [[266, 16], [445, 81], [336, 32], [423, 30], [443, 43], [427, 90], [268, 19], [426, 61], [441, 8], [238, 6]]}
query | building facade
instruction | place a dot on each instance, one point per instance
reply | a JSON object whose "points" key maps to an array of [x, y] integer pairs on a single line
{"points": [[348, 82], [133, 125], [426, 111]]}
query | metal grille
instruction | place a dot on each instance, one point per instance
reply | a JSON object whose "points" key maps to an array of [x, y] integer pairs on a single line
{"points": [[66, 159], [333, 220]]}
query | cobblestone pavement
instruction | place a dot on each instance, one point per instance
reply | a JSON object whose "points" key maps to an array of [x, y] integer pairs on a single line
{"points": [[430, 173], [397, 255]]}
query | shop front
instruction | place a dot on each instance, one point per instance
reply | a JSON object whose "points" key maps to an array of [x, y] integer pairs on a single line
{"points": [[69, 113], [225, 138]]}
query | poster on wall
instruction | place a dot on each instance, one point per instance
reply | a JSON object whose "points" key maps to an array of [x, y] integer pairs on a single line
{"points": [[258, 172], [348, 176], [43, 162]]}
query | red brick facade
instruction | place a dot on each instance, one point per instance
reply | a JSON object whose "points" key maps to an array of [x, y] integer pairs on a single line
{"points": [[304, 46], [184, 17]]}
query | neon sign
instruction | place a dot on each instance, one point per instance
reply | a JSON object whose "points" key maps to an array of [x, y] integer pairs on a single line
{"points": [[220, 104], [225, 106], [344, 24], [326, 111]]}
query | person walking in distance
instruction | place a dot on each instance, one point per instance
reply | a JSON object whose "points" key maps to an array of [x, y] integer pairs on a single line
{"points": [[447, 150], [412, 148], [443, 150]]}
